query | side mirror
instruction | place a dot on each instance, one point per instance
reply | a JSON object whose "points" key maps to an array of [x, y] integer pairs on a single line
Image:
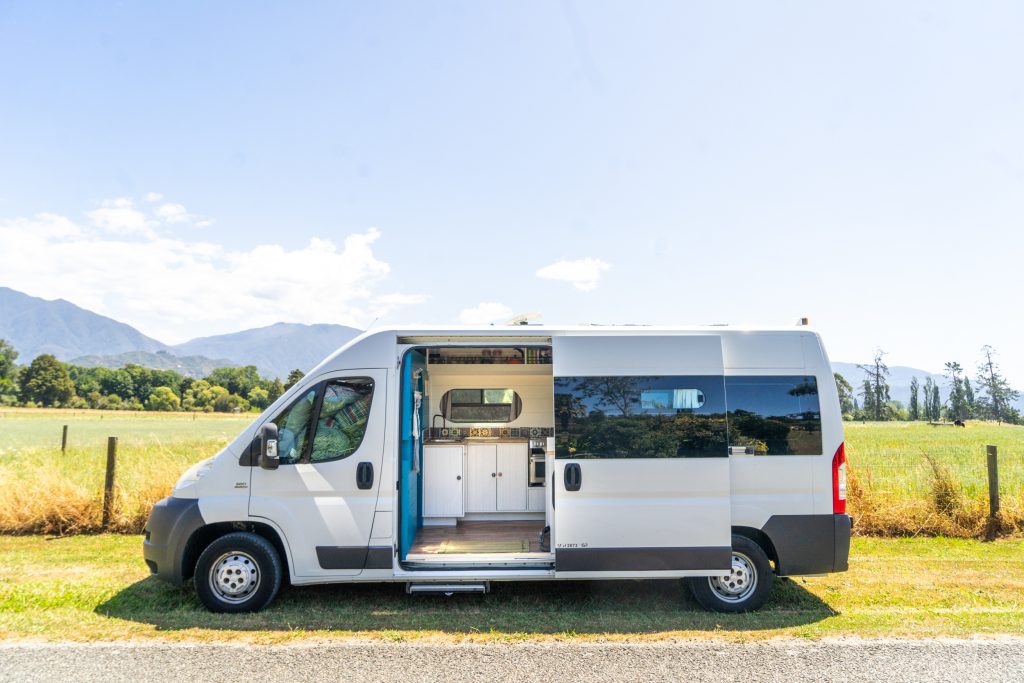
{"points": [[269, 459]]}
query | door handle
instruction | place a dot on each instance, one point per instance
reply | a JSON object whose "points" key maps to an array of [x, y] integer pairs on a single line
{"points": [[573, 477], [364, 475]]}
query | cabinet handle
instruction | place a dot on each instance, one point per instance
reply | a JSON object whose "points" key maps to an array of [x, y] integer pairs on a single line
{"points": [[499, 474], [458, 478], [493, 474]]}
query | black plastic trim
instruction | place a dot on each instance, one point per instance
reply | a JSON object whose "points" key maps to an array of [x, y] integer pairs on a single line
{"points": [[809, 544], [354, 557], [172, 521], [641, 559]]}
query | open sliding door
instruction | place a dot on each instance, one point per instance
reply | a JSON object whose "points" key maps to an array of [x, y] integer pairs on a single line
{"points": [[641, 476]]}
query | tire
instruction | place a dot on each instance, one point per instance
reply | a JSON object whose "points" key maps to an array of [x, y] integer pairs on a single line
{"points": [[745, 590], [238, 572]]}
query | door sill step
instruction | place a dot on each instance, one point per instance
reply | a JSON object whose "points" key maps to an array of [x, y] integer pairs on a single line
{"points": [[449, 588]]}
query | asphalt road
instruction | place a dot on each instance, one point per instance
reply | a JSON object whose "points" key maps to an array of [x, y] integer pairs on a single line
{"points": [[851, 660]]}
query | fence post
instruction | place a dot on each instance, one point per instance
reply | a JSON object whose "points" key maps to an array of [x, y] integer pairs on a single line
{"points": [[108, 483], [64, 440], [993, 481]]}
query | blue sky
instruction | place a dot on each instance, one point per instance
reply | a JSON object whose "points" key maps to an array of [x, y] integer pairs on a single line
{"points": [[196, 168]]}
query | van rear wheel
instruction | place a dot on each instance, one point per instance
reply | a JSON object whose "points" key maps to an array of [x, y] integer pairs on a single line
{"points": [[238, 572], [747, 586]]}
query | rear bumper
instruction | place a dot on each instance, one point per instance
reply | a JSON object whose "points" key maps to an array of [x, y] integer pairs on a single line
{"points": [[171, 524], [810, 544]]}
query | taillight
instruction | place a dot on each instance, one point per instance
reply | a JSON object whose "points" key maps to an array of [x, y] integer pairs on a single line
{"points": [[839, 481]]}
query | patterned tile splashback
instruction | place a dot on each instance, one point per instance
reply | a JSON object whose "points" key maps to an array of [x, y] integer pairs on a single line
{"points": [[489, 432]]}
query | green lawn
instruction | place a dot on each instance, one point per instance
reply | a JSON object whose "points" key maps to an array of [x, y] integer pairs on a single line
{"points": [[96, 588]]}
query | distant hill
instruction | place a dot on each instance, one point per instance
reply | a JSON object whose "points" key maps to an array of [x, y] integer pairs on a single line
{"points": [[35, 326], [196, 367], [276, 349]]}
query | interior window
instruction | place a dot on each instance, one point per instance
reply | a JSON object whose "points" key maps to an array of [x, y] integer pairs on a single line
{"points": [[293, 428], [481, 405], [343, 416]]}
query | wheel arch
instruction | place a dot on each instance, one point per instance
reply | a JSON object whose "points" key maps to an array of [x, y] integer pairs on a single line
{"points": [[760, 538], [205, 535]]}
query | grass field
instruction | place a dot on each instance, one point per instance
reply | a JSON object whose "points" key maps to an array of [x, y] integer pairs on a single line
{"points": [[43, 491], [893, 485], [96, 588]]}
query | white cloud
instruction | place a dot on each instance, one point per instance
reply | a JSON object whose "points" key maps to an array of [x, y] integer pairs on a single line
{"points": [[485, 313], [583, 273], [204, 223], [119, 216], [153, 196], [175, 289], [172, 213]]}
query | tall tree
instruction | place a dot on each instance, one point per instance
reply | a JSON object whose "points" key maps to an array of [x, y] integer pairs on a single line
{"points": [[913, 408], [8, 371], [877, 379], [846, 406], [293, 377], [47, 381], [870, 407], [958, 408], [998, 395], [936, 402]]}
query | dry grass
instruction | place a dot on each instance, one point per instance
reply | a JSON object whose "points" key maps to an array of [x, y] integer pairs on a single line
{"points": [[44, 491], [905, 478], [912, 479]]}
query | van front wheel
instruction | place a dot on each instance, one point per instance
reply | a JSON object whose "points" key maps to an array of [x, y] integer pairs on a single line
{"points": [[238, 572], [746, 587]]}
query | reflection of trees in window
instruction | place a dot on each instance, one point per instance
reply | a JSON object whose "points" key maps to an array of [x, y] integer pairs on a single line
{"points": [[602, 417], [620, 393], [775, 415]]}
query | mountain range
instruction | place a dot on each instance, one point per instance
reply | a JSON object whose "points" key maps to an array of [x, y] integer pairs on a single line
{"points": [[71, 333]]}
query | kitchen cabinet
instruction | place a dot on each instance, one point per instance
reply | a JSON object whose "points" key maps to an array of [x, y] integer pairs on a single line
{"points": [[443, 481], [496, 477], [535, 501], [513, 476], [482, 477]]}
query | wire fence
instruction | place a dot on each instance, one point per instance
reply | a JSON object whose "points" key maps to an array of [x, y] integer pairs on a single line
{"points": [[907, 471]]}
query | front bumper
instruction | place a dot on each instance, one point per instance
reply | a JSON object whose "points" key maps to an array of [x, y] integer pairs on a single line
{"points": [[171, 524]]}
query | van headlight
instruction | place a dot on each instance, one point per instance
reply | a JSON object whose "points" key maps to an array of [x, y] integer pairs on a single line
{"points": [[194, 474]]}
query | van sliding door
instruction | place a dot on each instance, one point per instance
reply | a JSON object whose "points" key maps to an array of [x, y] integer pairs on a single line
{"points": [[641, 476]]}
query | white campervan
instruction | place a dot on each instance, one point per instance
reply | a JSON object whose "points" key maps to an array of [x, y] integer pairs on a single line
{"points": [[450, 458]]}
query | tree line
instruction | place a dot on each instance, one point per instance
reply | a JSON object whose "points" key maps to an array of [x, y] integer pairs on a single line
{"points": [[988, 397], [50, 383]]}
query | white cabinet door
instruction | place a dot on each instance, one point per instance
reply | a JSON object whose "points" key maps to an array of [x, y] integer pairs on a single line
{"points": [[513, 476], [482, 473], [535, 498], [442, 481]]}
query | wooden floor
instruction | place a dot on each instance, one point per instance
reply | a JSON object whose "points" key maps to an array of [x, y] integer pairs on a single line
{"points": [[430, 540]]}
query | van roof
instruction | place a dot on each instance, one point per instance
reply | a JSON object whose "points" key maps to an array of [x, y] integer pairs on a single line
{"points": [[743, 346]]}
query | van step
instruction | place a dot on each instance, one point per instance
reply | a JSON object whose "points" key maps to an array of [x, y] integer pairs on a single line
{"points": [[449, 588]]}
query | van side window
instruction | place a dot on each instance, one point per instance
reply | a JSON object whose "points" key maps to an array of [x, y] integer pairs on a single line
{"points": [[343, 416], [774, 415], [640, 417], [293, 428]]}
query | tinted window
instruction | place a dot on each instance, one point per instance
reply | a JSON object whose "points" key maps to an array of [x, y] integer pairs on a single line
{"points": [[293, 428], [344, 413], [774, 415], [640, 417], [481, 405]]}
